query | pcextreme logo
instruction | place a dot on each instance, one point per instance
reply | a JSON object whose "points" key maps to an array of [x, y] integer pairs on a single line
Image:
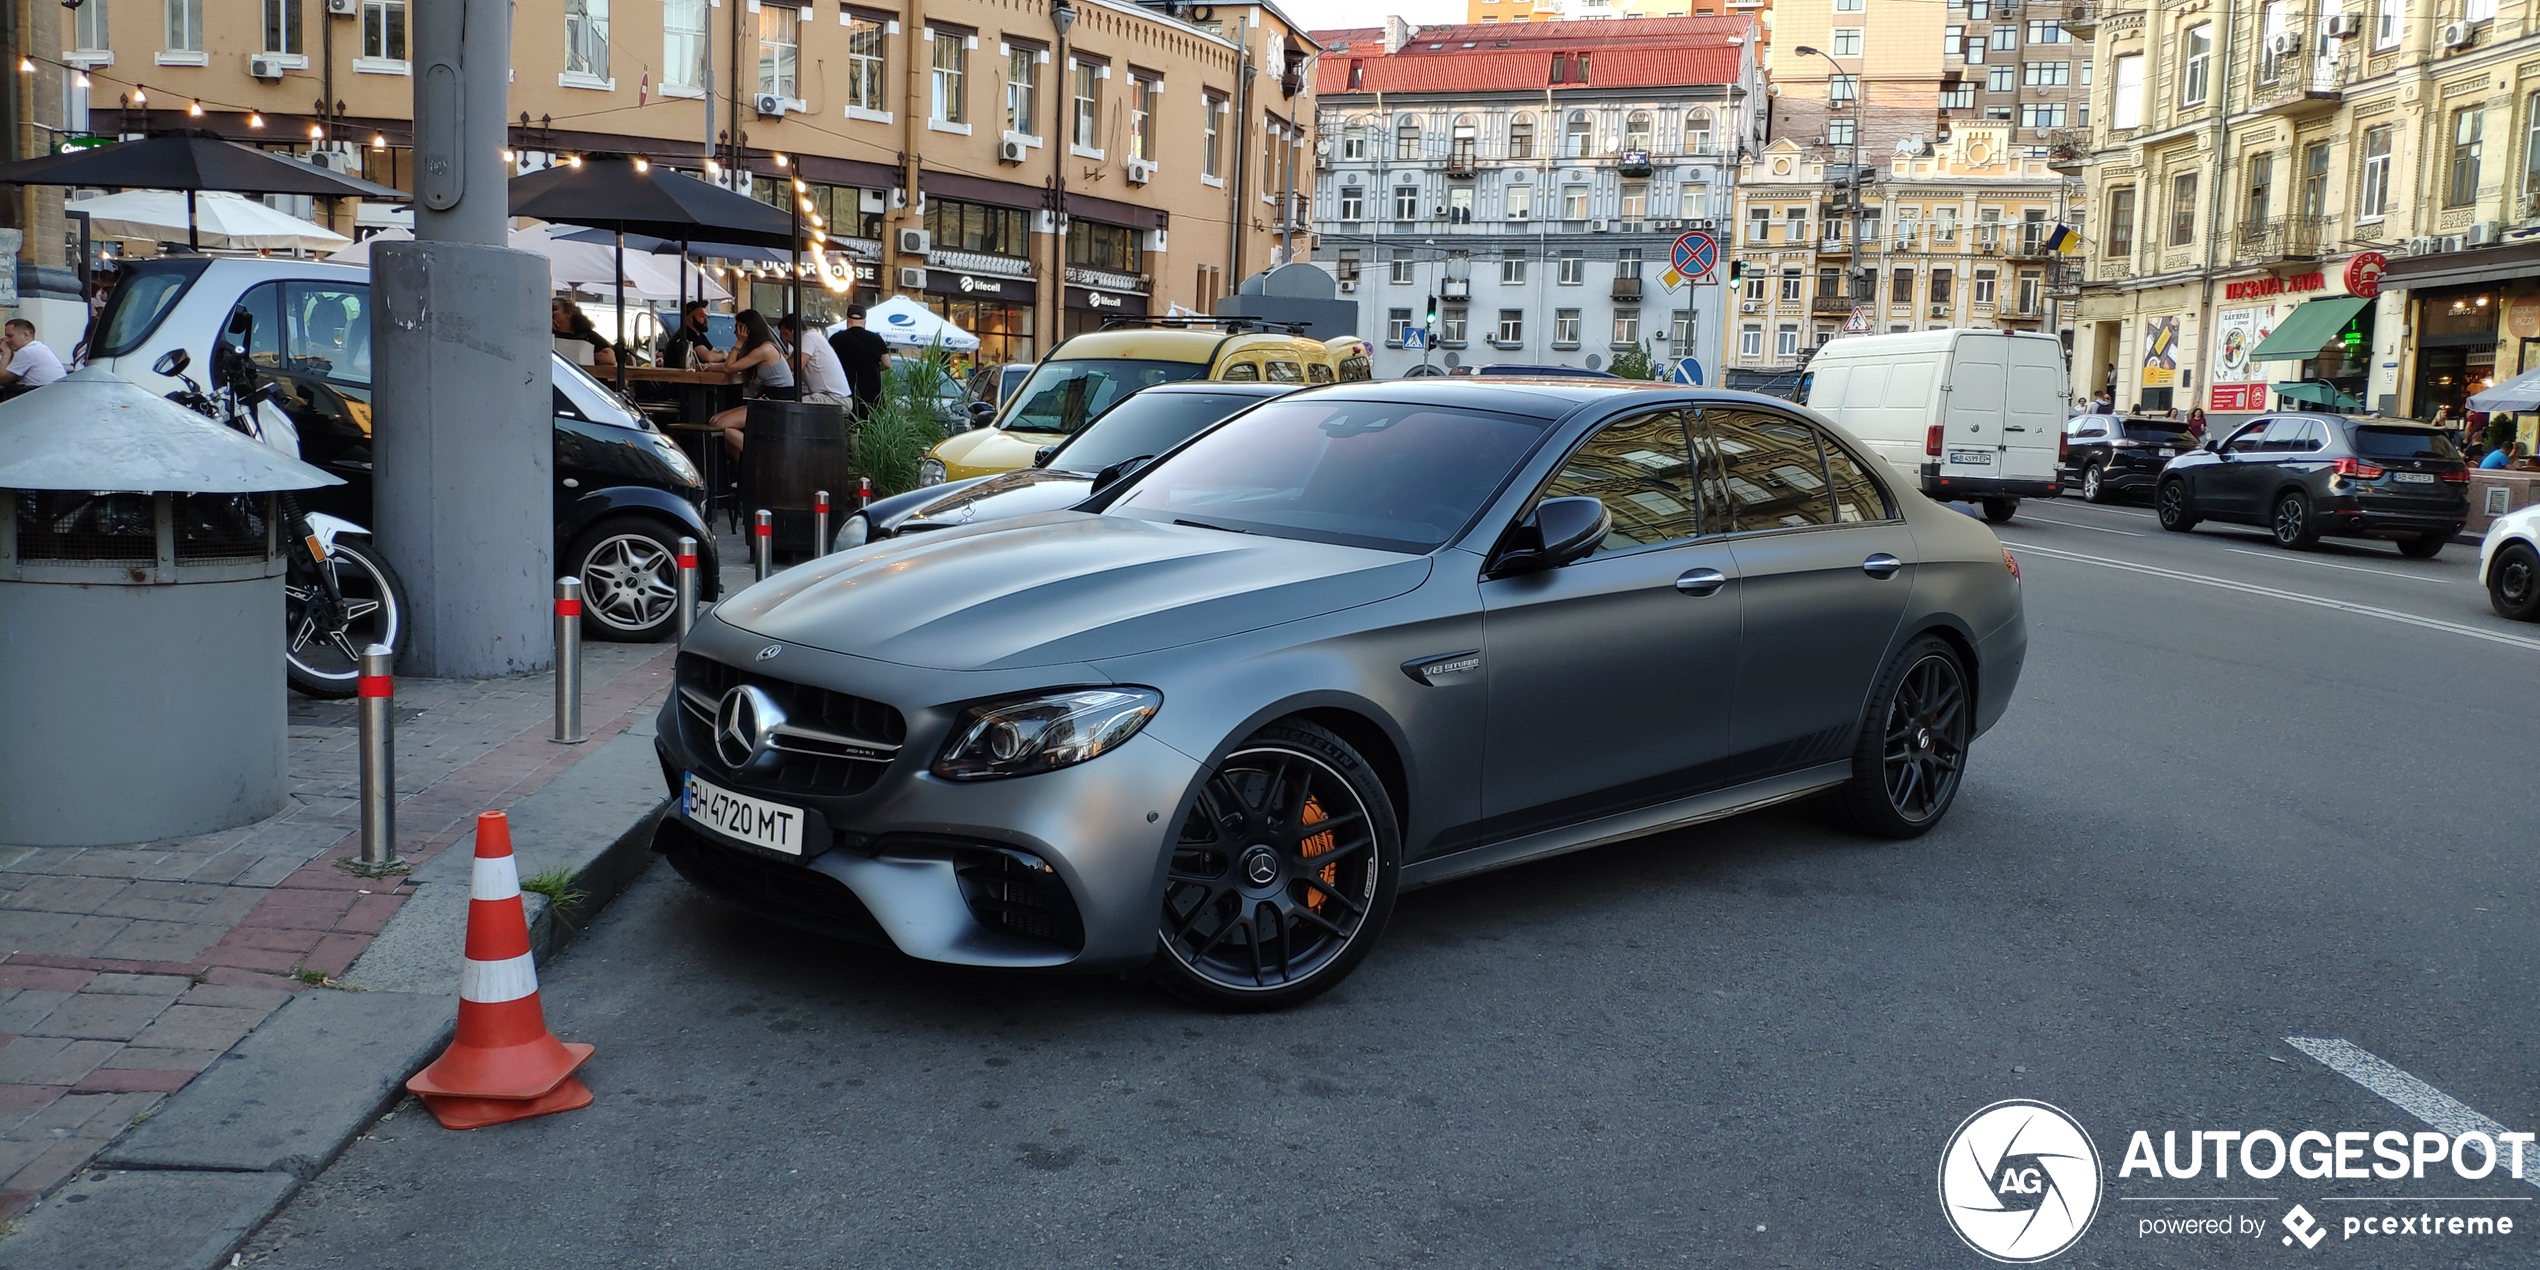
{"points": [[2020, 1181]]}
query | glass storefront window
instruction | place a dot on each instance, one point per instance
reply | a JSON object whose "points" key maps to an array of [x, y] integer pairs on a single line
{"points": [[1005, 330]]}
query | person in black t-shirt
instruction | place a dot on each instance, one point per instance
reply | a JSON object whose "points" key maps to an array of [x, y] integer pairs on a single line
{"points": [[680, 347], [861, 353]]}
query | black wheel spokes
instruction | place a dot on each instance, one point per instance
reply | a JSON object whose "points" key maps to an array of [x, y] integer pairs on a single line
{"points": [[1244, 933], [1924, 747]]}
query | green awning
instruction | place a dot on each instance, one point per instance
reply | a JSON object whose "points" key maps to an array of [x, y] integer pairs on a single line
{"points": [[2317, 394], [2313, 323]]}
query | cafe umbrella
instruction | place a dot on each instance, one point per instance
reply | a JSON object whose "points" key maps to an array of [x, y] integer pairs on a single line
{"points": [[637, 196], [190, 162]]}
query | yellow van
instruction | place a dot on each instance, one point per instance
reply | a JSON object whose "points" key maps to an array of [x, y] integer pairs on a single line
{"points": [[1082, 377], [1353, 359]]}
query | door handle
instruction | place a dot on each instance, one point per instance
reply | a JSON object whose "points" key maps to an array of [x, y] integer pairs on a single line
{"points": [[1701, 582], [1882, 565]]}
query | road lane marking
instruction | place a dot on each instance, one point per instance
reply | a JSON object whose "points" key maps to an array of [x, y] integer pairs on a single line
{"points": [[2402, 1090], [2251, 588], [2350, 568], [2074, 524]]}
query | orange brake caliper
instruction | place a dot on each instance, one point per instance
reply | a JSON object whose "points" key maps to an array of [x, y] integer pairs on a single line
{"points": [[1317, 845]]}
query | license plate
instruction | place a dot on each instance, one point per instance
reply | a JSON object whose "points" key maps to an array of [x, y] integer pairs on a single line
{"points": [[2413, 478], [774, 826], [1972, 458]]}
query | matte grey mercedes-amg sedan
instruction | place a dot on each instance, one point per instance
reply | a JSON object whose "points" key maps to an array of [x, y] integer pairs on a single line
{"points": [[1207, 724]]}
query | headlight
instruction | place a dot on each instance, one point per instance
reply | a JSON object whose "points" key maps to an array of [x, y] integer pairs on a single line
{"points": [[930, 471], [1044, 733], [856, 532], [676, 459]]}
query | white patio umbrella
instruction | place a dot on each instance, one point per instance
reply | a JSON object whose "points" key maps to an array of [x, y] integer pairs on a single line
{"points": [[905, 323], [221, 220], [580, 267]]}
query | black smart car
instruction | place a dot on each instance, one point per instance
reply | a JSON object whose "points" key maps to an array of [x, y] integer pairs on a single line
{"points": [[2108, 455], [2305, 476]]}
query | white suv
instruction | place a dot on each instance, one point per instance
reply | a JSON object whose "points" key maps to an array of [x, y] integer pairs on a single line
{"points": [[2509, 564]]}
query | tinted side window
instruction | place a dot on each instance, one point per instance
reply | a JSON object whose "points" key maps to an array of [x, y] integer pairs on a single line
{"points": [[1856, 496], [2248, 440], [263, 341], [2403, 443], [2284, 436], [1246, 372], [1317, 373], [1770, 472], [1286, 373], [328, 330], [1640, 468], [1355, 368]]}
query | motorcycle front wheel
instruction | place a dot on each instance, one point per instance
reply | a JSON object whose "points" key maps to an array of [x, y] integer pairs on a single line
{"points": [[325, 640]]}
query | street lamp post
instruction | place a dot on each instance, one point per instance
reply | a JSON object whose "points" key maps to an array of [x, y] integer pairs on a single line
{"points": [[1062, 116], [1852, 162]]}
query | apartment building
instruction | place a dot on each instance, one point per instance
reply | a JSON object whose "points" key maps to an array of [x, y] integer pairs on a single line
{"points": [[1027, 167], [1531, 181], [2335, 203], [1481, 11]]}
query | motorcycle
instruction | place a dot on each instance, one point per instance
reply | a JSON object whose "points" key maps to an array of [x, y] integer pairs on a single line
{"points": [[340, 596]]}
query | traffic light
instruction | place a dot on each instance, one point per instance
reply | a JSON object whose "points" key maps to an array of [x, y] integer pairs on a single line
{"points": [[1432, 323], [1737, 270]]}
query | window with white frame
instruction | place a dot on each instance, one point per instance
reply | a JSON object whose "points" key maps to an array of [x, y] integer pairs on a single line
{"points": [[1680, 330], [1452, 322], [1635, 202], [1512, 327], [1796, 221], [2196, 65], [868, 62], [2271, 23], [1521, 137], [384, 28], [1791, 283], [1406, 139], [1578, 137], [1698, 131], [1572, 268], [2001, 79], [948, 76], [1512, 268], [1695, 201], [2386, 28], [1849, 6], [2530, 152], [1755, 286], [1841, 89], [1022, 89], [1406, 202], [1353, 203], [1627, 326], [1397, 327], [780, 47], [1638, 128], [1944, 226], [586, 38], [2479, 10], [2031, 290], [1144, 94], [2126, 109], [282, 26], [1847, 41], [1786, 337], [1759, 224], [1521, 202], [184, 26], [1086, 131], [1212, 136], [1750, 341], [1574, 202], [1984, 286], [1403, 266], [1349, 266], [1353, 141], [88, 26], [1565, 328]]}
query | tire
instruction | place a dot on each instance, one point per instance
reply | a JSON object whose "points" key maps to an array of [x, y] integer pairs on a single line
{"points": [[1249, 816], [2513, 582], [629, 566], [1912, 752], [2423, 546], [2094, 486], [2000, 510], [2177, 514], [2292, 522], [322, 649]]}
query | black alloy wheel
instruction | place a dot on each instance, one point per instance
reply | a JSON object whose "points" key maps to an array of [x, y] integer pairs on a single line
{"points": [[1912, 752], [2423, 546], [2292, 524], [2170, 504], [2094, 485], [324, 638], [1282, 874], [2513, 582]]}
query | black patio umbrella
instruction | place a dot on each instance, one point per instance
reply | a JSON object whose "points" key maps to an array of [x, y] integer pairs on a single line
{"points": [[191, 161], [635, 196]]}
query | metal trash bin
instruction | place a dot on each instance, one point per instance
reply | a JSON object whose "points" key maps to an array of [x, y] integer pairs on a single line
{"points": [[791, 450], [141, 617]]}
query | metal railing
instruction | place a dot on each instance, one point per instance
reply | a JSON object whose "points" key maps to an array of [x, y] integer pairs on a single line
{"points": [[2285, 236]]}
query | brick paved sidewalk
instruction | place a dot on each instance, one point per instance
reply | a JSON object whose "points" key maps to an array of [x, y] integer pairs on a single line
{"points": [[129, 969]]}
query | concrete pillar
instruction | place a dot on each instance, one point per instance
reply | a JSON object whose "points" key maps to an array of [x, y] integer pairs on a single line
{"points": [[465, 442]]}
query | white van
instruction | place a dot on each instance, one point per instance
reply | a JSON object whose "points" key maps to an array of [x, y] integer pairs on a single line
{"points": [[1967, 415]]}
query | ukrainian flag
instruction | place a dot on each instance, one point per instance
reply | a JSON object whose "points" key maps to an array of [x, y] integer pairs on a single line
{"points": [[2063, 239]]}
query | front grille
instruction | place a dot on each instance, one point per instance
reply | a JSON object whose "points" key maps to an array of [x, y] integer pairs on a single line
{"points": [[836, 743], [1016, 892], [788, 893]]}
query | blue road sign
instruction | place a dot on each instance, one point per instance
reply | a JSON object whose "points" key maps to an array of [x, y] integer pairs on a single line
{"points": [[1688, 371], [1415, 337], [1695, 253]]}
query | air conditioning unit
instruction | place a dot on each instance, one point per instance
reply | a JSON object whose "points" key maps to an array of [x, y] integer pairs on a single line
{"points": [[2341, 26], [265, 67], [1750, 306], [1141, 171], [2420, 246], [344, 8], [916, 242], [1705, 225], [2454, 35], [2448, 242], [2482, 233], [1011, 148], [912, 279], [1597, 226], [1940, 310], [2284, 44], [1349, 286]]}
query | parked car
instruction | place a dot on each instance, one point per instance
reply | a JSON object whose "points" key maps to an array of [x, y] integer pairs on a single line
{"points": [[2108, 455], [1967, 415], [2509, 564], [625, 493], [1083, 376], [992, 384], [2303, 476], [1518, 370], [1367, 637], [1142, 426]]}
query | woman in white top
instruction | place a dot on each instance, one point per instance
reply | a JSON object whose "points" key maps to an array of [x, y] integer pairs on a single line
{"points": [[767, 362], [821, 372]]}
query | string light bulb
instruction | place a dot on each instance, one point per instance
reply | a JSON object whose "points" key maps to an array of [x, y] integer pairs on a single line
{"points": [[316, 133], [26, 65], [643, 165], [573, 160], [196, 110], [511, 156], [255, 119], [780, 160], [713, 168], [378, 141], [140, 96], [83, 79], [799, 187]]}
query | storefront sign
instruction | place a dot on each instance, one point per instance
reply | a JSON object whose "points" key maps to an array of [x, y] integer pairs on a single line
{"points": [[1089, 300], [2160, 352], [2522, 317], [2253, 288], [2363, 273], [2236, 332], [948, 282], [2237, 397]]}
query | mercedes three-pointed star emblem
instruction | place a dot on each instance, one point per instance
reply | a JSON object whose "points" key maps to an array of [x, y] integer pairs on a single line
{"points": [[744, 722]]}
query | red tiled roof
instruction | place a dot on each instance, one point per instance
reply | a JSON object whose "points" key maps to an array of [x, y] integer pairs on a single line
{"points": [[1369, 41]]}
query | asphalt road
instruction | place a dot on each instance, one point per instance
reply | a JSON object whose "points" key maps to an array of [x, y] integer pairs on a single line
{"points": [[2243, 795]]}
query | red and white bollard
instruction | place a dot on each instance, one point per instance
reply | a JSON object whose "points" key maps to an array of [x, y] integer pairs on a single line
{"points": [[863, 492], [687, 585], [763, 545], [568, 661], [379, 757], [820, 523]]}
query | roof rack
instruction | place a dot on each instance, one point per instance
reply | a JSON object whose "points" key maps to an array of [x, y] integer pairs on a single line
{"points": [[1232, 325]]}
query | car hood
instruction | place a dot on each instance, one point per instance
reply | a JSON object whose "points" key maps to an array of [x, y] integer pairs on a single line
{"points": [[994, 498], [1060, 587], [985, 451]]}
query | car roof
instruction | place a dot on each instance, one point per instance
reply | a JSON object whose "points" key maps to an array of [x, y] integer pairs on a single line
{"points": [[1214, 387], [1175, 344], [1544, 398]]}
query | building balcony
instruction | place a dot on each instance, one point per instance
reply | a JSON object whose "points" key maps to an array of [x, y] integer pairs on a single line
{"points": [[2301, 89], [1455, 289], [2284, 237], [1461, 166], [2080, 20], [1831, 306], [1626, 288], [1633, 163], [2068, 150]]}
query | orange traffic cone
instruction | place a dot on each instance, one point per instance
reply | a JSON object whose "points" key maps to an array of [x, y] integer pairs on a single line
{"points": [[504, 1064]]}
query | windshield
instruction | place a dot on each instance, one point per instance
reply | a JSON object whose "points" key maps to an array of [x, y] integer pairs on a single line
{"points": [[1060, 396], [2161, 430], [2404, 443], [141, 299], [1148, 423], [1387, 475], [591, 399]]}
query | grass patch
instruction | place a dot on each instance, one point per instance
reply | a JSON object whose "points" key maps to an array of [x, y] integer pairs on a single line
{"points": [[562, 895]]}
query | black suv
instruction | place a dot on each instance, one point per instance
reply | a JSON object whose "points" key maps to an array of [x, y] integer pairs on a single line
{"points": [[2302, 476], [2108, 455]]}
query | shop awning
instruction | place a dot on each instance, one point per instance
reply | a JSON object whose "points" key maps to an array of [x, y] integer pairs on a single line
{"points": [[2318, 394], [2311, 324]]}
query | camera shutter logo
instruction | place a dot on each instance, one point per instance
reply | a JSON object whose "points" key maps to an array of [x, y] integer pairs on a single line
{"points": [[2020, 1181]]}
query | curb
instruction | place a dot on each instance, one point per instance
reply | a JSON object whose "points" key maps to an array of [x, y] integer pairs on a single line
{"points": [[186, 1187]]}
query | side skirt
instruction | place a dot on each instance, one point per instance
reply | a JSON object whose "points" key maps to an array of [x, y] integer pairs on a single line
{"points": [[1697, 809]]}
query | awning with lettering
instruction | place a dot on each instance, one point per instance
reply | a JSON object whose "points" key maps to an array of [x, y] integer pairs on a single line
{"points": [[2311, 324]]}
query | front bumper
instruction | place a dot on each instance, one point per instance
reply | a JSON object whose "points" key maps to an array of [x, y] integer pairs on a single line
{"points": [[1062, 869]]}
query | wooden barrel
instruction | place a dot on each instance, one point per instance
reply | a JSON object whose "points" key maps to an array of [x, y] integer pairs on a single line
{"points": [[789, 451]]}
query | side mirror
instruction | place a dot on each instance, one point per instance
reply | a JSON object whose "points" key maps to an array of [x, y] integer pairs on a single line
{"points": [[1558, 531], [1041, 457], [981, 412], [173, 363]]}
